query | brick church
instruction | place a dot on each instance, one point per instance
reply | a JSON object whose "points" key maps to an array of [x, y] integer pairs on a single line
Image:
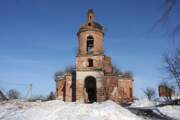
{"points": [[93, 79]]}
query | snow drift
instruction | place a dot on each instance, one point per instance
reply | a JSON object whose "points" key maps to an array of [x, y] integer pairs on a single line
{"points": [[171, 111], [143, 103], [58, 110]]}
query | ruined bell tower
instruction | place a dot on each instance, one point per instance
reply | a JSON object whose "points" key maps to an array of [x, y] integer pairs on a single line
{"points": [[90, 60], [90, 37], [93, 79]]}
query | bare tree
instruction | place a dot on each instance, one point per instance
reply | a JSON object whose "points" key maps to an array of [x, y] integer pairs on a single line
{"points": [[167, 84], [172, 66], [128, 74], [69, 69], [149, 93], [13, 94], [116, 70], [38, 97], [170, 7], [51, 96]]}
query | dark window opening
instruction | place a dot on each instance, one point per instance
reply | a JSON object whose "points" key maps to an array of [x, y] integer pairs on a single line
{"points": [[90, 44], [89, 24], [90, 17], [90, 62], [131, 94]]}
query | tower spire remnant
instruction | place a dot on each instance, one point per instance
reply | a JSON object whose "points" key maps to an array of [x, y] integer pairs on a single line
{"points": [[90, 16]]}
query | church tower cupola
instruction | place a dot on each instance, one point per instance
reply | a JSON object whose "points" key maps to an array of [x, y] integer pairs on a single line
{"points": [[90, 36], [91, 24]]}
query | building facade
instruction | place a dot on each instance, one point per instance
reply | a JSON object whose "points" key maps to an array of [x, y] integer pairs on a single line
{"points": [[93, 79], [165, 91]]}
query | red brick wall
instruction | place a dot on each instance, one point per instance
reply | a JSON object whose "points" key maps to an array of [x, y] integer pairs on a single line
{"points": [[110, 83], [68, 95], [164, 91], [79, 91], [114, 88], [82, 62], [98, 42], [60, 89], [119, 90], [64, 89], [125, 89], [107, 65]]}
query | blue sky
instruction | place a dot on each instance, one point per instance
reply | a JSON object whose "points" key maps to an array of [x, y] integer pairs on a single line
{"points": [[38, 38]]}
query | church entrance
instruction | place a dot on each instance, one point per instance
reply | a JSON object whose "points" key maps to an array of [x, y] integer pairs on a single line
{"points": [[90, 85]]}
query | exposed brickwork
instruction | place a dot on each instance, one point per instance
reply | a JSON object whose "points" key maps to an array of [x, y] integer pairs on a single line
{"points": [[165, 91], [98, 39], [80, 92], [82, 62], [107, 65], [68, 96], [60, 89], [94, 80], [125, 90], [101, 94]]}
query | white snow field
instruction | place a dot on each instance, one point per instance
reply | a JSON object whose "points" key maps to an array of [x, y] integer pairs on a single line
{"points": [[58, 110], [143, 103], [171, 111]]}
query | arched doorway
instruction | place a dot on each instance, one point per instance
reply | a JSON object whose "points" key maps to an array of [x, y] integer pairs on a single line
{"points": [[90, 85]]}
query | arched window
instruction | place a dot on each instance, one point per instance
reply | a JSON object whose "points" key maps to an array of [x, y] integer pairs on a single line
{"points": [[90, 17], [90, 44], [90, 62]]}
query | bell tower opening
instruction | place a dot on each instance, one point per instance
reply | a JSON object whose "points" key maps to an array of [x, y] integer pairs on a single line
{"points": [[90, 44], [90, 85]]}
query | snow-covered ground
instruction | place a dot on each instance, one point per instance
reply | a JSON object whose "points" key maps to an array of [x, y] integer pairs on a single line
{"points": [[58, 110], [143, 103], [171, 111]]}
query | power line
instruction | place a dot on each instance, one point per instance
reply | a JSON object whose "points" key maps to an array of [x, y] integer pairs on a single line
{"points": [[29, 92]]}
